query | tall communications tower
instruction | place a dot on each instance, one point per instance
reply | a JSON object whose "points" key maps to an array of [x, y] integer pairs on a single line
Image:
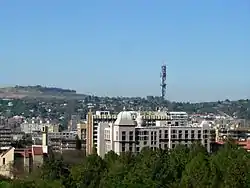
{"points": [[163, 80]]}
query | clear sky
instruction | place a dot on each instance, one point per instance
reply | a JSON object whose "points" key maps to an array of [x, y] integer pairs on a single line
{"points": [[116, 47]]}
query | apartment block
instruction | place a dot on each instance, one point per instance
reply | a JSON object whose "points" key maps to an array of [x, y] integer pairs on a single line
{"points": [[128, 133]]}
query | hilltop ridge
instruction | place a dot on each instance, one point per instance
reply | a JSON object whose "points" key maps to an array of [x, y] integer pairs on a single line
{"points": [[36, 91]]}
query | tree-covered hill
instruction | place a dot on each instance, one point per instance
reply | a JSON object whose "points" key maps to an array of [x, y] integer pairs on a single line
{"points": [[42, 89]]}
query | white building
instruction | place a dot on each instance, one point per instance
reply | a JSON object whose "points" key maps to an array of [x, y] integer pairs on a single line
{"points": [[28, 127], [149, 119], [129, 134], [179, 118]]}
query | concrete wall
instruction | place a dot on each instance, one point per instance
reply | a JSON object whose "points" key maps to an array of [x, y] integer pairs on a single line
{"points": [[6, 162]]}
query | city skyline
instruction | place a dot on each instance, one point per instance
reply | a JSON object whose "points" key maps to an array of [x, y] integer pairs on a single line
{"points": [[117, 48]]}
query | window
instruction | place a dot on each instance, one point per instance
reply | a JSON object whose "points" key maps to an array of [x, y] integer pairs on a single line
{"points": [[192, 134], [199, 136], [123, 147], [166, 134], [3, 161], [123, 135], [131, 135], [180, 134], [130, 147], [165, 146], [152, 135]]}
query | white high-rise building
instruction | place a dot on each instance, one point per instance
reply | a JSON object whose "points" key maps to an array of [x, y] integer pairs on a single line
{"points": [[149, 119], [131, 134]]}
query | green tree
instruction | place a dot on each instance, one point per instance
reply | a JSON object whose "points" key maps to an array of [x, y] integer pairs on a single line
{"points": [[54, 169], [89, 173], [230, 167], [196, 173]]}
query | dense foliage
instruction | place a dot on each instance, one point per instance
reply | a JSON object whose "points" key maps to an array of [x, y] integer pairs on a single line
{"points": [[179, 168]]}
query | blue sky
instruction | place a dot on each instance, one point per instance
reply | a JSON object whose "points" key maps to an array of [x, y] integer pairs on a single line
{"points": [[115, 48]]}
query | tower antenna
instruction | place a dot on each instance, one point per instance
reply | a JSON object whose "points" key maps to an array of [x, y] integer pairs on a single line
{"points": [[163, 80]]}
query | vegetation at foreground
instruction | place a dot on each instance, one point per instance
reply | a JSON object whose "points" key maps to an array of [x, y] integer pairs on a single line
{"points": [[179, 168]]}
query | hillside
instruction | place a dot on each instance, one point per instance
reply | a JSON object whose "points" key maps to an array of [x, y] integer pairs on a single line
{"points": [[36, 91]]}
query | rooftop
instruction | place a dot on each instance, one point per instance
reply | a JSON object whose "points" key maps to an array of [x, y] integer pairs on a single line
{"points": [[125, 118]]}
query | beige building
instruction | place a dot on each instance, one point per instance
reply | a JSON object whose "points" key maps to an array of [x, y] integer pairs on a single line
{"points": [[6, 162], [36, 126], [53, 128], [81, 130]]}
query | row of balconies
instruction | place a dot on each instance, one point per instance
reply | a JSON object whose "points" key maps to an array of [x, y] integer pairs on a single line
{"points": [[134, 117], [174, 137]]}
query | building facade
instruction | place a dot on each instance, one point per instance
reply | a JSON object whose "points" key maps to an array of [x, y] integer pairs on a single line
{"points": [[6, 137], [72, 126], [28, 127], [6, 162], [132, 134], [149, 120]]}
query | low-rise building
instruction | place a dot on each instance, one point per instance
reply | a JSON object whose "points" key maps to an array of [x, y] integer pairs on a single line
{"points": [[28, 127], [65, 140], [6, 162], [28, 159]]}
